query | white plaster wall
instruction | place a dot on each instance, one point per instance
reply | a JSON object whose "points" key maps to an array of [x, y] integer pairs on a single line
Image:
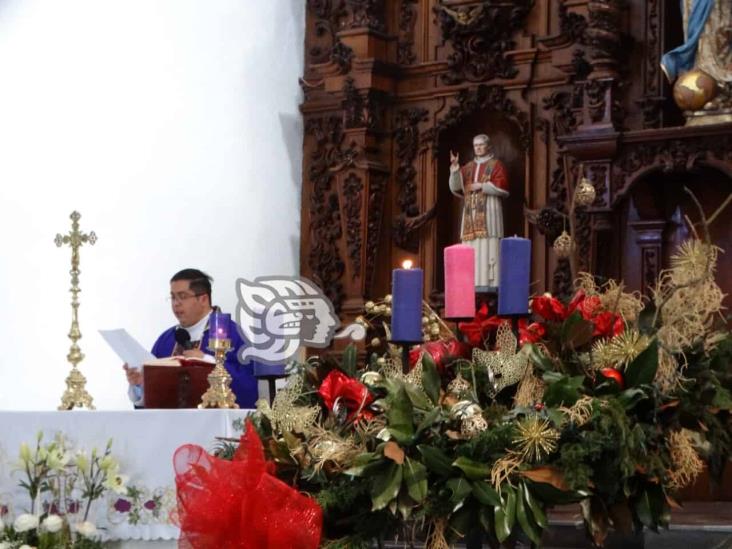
{"points": [[173, 127]]}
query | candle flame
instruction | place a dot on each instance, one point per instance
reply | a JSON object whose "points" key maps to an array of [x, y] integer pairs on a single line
{"points": [[407, 264]]}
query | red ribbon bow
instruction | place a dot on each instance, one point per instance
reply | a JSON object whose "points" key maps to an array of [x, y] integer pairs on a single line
{"points": [[476, 331], [440, 351]]}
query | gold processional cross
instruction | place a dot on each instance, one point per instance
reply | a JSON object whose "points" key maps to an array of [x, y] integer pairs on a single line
{"points": [[76, 395]]}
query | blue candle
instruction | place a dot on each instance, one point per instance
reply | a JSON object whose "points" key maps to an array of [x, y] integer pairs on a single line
{"points": [[406, 305], [218, 325], [513, 286]]}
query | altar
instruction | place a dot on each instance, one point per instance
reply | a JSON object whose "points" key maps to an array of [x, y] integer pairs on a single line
{"points": [[143, 442]]}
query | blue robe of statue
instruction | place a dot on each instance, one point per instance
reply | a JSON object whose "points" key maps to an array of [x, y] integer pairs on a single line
{"points": [[681, 59]]}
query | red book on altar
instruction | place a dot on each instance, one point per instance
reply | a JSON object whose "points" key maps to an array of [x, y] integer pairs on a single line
{"points": [[175, 382]]}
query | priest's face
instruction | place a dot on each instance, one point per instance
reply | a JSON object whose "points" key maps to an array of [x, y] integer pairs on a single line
{"points": [[480, 147], [188, 307]]}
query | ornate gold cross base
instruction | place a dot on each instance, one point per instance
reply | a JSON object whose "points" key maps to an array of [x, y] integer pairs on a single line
{"points": [[76, 395], [218, 394]]}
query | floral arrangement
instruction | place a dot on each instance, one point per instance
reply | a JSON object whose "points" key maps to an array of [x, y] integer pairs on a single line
{"points": [[608, 400], [62, 484]]}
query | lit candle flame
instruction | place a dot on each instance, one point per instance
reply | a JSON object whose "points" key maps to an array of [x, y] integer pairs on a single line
{"points": [[407, 264]]}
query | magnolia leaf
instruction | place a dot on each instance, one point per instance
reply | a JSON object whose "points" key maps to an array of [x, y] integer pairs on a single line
{"points": [[430, 378], [485, 494], [405, 504], [364, 465], [485, 516], [460, 488], [428, 420], [548, 475], [472, 469], [386, 486], [348, 363], [576, 331], [505, 514], [535, 506], [460, 523], [435, 460], [562, 390], [526, 521], [415, 477], [417, 397], [399, 417], [621, 517], [553, 496], [596, 519], [394, 452], [642, 370], [630, 397], [538, 358], [643, 510]]}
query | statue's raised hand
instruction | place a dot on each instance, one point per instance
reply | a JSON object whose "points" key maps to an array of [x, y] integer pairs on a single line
{"points": [[454, 161]]}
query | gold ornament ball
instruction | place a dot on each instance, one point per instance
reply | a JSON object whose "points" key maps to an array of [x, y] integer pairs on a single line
{"points": [[369, 306], [434, 330], [694, 89], [425, 320], [458, 386], [585, 193], [375, 342], [472, 426], [371, 378], [387, 311], [563, 245], [387, 298]]}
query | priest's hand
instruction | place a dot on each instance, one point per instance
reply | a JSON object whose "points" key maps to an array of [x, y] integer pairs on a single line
{"points": [[475, 187], [134, 376], [193, 353], [454, 162]]}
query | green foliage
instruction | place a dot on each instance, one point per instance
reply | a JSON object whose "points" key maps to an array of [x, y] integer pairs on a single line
{"points": [[417, 457]]}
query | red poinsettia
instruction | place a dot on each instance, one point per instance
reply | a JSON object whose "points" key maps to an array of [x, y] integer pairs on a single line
{"points": [[530, 333], [476, 331], [605, 323], [349, 392], [549, 308]]}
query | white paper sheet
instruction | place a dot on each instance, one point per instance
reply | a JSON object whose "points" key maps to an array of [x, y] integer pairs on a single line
{"points": [[127, 347]]}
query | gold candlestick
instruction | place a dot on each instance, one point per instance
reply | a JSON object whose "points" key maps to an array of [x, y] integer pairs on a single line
{"points": [[218, 394], [75, 395]]}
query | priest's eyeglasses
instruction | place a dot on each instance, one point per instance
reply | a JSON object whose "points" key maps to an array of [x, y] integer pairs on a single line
{"points": [[180, 298]]}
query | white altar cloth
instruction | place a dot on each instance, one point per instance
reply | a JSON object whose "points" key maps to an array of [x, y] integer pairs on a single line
{"points": [[143, 442]]}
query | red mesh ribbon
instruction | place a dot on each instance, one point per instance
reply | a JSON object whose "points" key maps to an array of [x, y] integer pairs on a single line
{"points": [[239, 504]]}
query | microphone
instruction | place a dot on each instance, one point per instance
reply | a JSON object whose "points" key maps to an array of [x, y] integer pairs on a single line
{"points": [[183, 338]]}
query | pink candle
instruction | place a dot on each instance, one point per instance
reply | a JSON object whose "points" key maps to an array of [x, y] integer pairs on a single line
{"points": [[459, 281]]}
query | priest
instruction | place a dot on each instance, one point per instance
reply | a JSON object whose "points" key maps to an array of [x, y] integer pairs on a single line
{"points": [[482, 183], [190, 298]]}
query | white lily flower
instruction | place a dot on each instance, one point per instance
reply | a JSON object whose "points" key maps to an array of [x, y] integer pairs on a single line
{"points": [[117, 483], [25, 453], [108, 463]]}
